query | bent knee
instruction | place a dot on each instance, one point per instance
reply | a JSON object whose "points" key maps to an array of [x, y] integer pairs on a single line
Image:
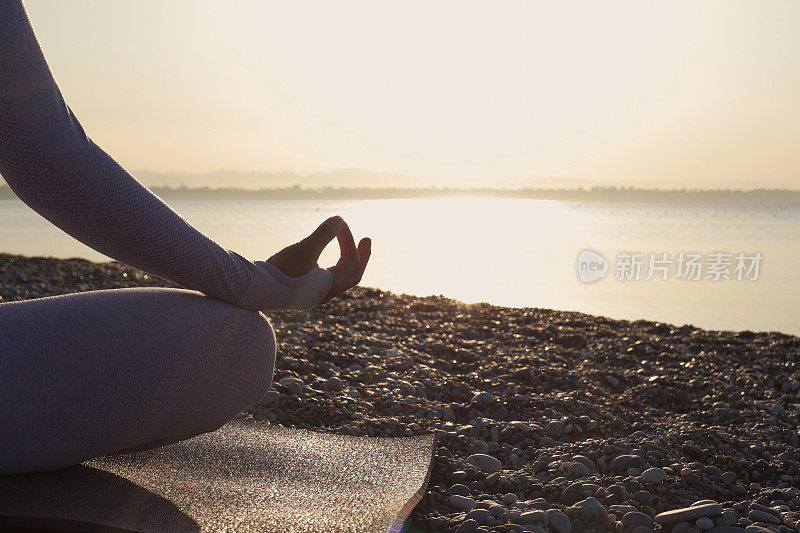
{"points": [[264, 349], [255, 355]]}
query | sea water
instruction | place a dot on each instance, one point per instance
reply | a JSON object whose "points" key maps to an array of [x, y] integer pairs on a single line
{"points": [[523, 252]]}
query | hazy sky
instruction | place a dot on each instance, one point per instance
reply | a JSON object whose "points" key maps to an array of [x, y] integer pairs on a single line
{"points": [[669, 94]]}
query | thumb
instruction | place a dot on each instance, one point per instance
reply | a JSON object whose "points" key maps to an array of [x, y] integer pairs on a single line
{"points": [[325, 233]]}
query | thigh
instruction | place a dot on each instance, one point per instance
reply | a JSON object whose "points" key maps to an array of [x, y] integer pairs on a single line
{"points": [[92, 373]]}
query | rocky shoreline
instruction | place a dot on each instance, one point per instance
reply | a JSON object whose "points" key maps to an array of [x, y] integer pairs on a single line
{"points": [[546, 420]]}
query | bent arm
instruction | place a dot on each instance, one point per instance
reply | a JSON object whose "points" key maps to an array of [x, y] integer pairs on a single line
{"points": [[50, 163]]}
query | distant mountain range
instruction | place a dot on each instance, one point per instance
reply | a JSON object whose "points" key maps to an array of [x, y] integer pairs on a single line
{"points": [[345, 177], [351, 178], [601, 194]]}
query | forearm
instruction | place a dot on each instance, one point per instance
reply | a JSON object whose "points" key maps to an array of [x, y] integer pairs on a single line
{"points": [[51, 164]]}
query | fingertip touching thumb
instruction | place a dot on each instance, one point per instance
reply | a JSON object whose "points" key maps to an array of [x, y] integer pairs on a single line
{"points": [[334, 225], [324, 234]]}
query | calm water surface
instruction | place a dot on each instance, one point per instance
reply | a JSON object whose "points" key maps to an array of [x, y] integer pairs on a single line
{"points": [[514, 252]]}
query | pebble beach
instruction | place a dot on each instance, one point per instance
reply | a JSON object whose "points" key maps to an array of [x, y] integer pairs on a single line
{"points": [[546, 420]]}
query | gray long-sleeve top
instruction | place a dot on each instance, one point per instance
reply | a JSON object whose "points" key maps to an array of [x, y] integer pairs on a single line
{"points": [[56, 169]]}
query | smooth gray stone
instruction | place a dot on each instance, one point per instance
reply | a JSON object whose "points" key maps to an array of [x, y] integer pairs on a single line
{"points": [[622, 509], [591, 512], [460, 489], [558, 521], [702, 502], [622, 463], [554, 429], [509, 498], [635, 518], [681, 527], [760, 527], [729, 517], [572, 494], [485, 462], [760, 516], [531, 517], [294, 385], [689, 514], [578, 469], [468, 526], [653, 475], [479, 515], [726, 529], [704, 523], [461, 502]]}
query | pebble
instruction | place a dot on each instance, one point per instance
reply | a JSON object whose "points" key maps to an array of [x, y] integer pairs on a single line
{"points": [[577, 469], [642, 529], [496, 509], [572, 494], [591, 512], [622, 463], [448, 415], [479, 515], [554, 429], [704, 523], [485, 463], [458, 475], [689, 514], [653, 475], [468, 526], [531, 517], [643, 497], [459, 489], [729, 517], [293, 385], [483, 398], [270, 397], [558, 521], [532, 528], [509, 498], [760, 516], [764, 508], [634, 519], [461, 502], [759, 528], [334, 384], [586, 461]]}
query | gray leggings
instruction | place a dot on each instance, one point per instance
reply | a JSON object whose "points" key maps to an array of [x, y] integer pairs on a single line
{"points": [[117, 370]]}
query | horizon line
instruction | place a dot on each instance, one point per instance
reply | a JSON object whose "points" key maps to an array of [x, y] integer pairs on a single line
{"points": [[439, 188]]}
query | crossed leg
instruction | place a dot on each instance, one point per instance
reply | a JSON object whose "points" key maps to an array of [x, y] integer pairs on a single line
{"points": [[82, 375]]}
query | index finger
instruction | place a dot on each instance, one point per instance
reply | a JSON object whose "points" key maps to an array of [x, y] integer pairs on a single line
{"points": [[347, 244], [324, 234]]}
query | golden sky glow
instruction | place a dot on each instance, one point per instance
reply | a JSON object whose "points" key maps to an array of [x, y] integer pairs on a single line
{"points": [[668, 94]]}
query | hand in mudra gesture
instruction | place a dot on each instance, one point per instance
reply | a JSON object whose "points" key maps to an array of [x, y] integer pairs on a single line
{"points": [[299, 258]]}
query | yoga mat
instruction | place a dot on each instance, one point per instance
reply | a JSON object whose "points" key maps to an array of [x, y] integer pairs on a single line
{"points": [[245, 476]]}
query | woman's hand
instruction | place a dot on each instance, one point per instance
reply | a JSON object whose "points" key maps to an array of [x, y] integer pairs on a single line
{"points": [[299, 258]]}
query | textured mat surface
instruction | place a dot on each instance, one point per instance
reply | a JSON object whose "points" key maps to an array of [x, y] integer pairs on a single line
{"points": [[246, 476]]}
